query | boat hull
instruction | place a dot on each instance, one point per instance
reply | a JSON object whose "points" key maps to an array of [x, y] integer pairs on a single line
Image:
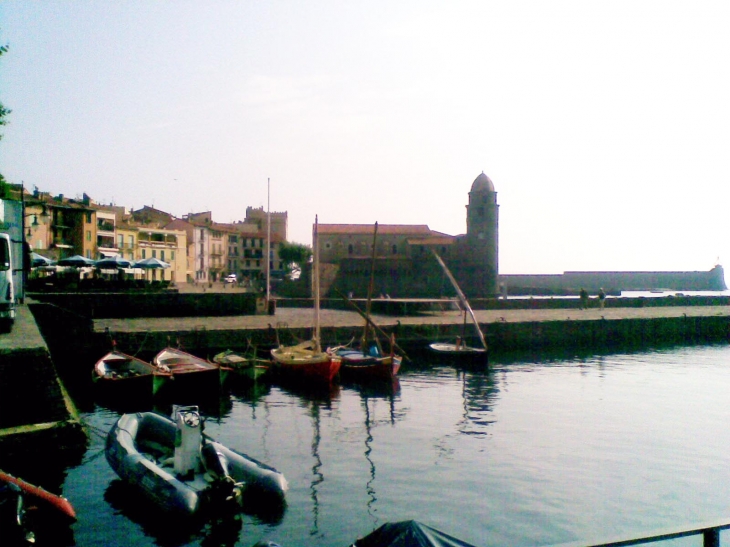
{"points": [[316, 367], [459, 354], [121, 376], [138, 446], [188, 372], [248, 368], [358, 367]]}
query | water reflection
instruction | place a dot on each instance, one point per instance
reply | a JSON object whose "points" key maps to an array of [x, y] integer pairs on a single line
{"points": [[479, 394]]}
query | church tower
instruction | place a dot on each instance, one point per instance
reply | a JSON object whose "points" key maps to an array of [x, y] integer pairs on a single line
{"points": [[482, 237]]}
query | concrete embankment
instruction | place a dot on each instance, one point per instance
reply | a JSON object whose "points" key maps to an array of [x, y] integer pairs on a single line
{"points": [[32, 396], [506, 329]]}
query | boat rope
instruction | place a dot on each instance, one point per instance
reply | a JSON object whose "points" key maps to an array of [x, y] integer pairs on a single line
{"points": [[144, 340]]}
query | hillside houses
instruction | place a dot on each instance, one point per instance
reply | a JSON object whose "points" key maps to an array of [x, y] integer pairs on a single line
{"points": [[198, 249]]}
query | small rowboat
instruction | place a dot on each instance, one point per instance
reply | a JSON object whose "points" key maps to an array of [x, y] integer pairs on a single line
{"points": [[189, 371], [459, 353], [119, 374], [363, 367], [251, 368]]}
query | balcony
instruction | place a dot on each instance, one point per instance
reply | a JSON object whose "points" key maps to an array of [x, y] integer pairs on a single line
{"points": [[105, 227]]}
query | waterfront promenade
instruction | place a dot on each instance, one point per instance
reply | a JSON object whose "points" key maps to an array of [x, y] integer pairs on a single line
{"points": [[303, 318], [505, 330]]}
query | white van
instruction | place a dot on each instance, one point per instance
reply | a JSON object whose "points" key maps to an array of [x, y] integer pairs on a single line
{"points": [[7, 291]]}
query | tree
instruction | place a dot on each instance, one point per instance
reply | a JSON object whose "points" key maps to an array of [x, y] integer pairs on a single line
{"points": [[3, 111], [294, 256], [3, 121]]}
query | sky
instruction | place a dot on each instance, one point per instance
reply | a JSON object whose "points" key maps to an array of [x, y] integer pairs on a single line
{"points": [[605, 126]]}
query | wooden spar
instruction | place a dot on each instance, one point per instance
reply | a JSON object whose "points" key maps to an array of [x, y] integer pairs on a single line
{"points": [[464, 302], [370, 321], [368, 306], [315, 238]]}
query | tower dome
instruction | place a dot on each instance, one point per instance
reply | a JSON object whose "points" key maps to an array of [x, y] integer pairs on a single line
{"points": [[482, 184]]}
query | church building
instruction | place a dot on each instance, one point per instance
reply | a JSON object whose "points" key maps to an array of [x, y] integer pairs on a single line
{"points": [[403, 259]]}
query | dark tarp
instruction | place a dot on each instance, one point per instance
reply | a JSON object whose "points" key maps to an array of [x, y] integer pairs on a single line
{"points": [[408, 533]]}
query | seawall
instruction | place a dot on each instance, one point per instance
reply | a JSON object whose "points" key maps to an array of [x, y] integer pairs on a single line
{"points": [[508, 330]]}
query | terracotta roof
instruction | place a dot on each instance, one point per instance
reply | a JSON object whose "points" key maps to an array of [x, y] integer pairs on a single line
{"points": [[383, 229]]}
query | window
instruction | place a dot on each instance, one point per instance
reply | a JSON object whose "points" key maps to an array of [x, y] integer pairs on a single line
{"points": [[144, 253], [88, 218], [88, 235], [120, 241], [172, 255], [162, 255], [154, 253], [131, 242]]}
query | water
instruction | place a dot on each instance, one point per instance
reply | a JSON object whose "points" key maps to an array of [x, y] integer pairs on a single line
{"points": [[531, 453]]}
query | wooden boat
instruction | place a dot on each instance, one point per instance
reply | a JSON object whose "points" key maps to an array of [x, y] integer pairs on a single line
{"points": [[182, 470], [120, 375], [306, 361], [369, 362], [246, 366], [38, 494], [187, 370], [360, 366], [459, 351]]}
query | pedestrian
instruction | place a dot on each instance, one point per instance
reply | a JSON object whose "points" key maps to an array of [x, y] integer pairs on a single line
{"points": [[583, 298], [601, 298]]}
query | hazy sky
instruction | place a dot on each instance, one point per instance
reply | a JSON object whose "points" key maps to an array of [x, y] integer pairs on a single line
{"points": [[605, 126]]}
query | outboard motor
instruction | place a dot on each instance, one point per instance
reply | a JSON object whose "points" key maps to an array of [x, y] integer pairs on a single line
{"points": [[13, 525], [188, 438]]}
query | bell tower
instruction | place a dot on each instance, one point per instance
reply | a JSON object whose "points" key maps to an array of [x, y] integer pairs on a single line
{"points": [[482, 237]]}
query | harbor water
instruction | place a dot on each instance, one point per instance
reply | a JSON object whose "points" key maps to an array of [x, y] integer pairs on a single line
{"points": [[535, 451]]}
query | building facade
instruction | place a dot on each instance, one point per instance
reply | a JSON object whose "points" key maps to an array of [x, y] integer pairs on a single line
{"points": [[403, 261]]}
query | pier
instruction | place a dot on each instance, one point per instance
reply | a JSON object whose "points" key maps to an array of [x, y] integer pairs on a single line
{"points": [[33, 399], [527, 328]]}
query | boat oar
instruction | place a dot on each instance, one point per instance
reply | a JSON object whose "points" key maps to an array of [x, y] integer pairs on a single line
{"points": [[370, 321]]}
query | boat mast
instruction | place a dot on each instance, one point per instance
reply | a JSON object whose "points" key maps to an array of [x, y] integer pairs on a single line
{"points": [[315, 270], [464, 302], [368, 305], [268, 242]]}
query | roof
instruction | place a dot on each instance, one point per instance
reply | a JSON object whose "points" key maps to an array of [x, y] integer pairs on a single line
{"points": [[482, 184], [367, 229]]}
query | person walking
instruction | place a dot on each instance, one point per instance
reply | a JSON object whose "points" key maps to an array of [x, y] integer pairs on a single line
{"points": [[583, 298], [601, 298]]}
